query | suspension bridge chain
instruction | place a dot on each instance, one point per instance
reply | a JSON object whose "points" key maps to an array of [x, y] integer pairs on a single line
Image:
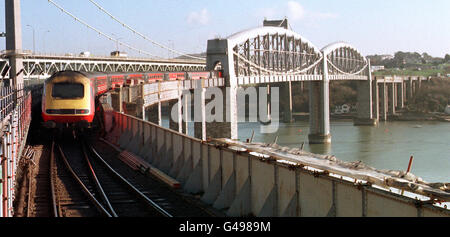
{"points": [[142, 35], [100, 32]]}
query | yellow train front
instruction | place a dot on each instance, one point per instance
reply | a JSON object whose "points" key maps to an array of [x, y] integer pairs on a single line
{"points": [[68, 100]]}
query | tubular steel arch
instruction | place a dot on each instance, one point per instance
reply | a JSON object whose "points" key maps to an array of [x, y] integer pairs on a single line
{"points": [[273, 51], [344, 59]]}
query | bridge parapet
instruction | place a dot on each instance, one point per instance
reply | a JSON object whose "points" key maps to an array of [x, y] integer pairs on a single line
{"points": [[266, 180]]}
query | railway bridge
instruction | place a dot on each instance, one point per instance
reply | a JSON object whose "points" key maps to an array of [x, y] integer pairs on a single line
{"points": [[235, 177]]}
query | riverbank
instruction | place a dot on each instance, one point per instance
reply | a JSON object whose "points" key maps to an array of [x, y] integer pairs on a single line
{"points": [[400, 116], [414, 116]]}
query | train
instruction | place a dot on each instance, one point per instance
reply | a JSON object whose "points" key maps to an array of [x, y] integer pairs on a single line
{"points": [[70, 98]]}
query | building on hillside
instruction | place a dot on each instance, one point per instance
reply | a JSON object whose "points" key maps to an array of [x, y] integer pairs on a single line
{"points": [[447, 109], [375, 68], [342, 109]]}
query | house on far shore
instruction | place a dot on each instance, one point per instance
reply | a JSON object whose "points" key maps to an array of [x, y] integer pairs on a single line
{"points": [[342, 109], [447, 109]]}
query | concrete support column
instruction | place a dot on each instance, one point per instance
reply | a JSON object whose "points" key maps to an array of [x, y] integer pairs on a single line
{"points": [[227, 128], [154, 113], [14, 42], [286, 101], [175, 122], [376, 100], [395, 95], [400, 95], [199, 113], [186, 116], [410, 89], [365, 110], [391, 98], [383, 101], [319, 109], [117, 100], [417, 85], [219, 50]]}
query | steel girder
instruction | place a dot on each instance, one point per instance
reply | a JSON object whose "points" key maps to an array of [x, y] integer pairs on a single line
{"points": [[43, 68]]}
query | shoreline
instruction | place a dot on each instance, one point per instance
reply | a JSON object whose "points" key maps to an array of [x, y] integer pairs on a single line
{"points": [[400, 116]]}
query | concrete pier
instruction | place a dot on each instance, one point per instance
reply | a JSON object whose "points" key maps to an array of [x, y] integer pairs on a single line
{"points": [[175, 123], [383, 101], [286, 101], [14, 42], [376, 100], [400, 95], [365, 105], [391, 98], [409, 89], [319, 109], [319, 120], [153, 114]]}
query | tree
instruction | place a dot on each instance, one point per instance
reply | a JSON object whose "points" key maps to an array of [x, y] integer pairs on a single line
{"points": [[447, 58]]}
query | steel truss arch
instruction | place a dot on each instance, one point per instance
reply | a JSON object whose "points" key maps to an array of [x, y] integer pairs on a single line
{"points": [[271, 51], [344, 59]]}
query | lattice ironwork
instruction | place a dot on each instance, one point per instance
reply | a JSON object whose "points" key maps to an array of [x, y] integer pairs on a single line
{"points": [[344, 59], [273, 51], [41, 68]]}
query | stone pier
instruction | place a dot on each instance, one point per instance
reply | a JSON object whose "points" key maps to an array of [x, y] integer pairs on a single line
{"points": [[286, 101], [383, 101], [319, 112], [391, 98], [365, 105]]}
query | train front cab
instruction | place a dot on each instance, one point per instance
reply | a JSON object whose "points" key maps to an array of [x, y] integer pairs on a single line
{"points": [[68, 101]]}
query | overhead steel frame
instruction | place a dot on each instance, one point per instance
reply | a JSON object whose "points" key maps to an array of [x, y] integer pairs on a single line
{"points": [[38, 68], [34, 68]]}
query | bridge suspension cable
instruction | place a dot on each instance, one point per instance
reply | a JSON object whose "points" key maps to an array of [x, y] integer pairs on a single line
{"points": [[141, 35], [100, 32]]}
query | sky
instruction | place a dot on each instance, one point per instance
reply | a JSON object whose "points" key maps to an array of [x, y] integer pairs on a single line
{"points": [[374, 27]]}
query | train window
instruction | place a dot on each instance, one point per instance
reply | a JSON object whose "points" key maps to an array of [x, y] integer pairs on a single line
{"points": [[68, 90]]}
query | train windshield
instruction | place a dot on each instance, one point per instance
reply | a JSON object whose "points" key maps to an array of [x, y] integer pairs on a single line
{"points": [[68, 91]]}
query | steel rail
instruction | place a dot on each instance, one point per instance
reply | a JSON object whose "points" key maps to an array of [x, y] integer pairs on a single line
{"points": [[99, 187], [55, 206], [97, 204], [138, 193]]}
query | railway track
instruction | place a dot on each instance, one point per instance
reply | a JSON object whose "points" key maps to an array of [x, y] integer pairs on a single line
{"points": [[83, 184]]}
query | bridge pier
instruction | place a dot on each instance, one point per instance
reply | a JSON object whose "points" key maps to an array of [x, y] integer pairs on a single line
{"points": [[200, 113], [409, 89], [383, 101], [319, 113], [418, 85], [365, 104], [319, 109], [14, 42], [376, 100], [286, 101], [400, 95], [153, 113], [391, 98], [175, 123]]}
